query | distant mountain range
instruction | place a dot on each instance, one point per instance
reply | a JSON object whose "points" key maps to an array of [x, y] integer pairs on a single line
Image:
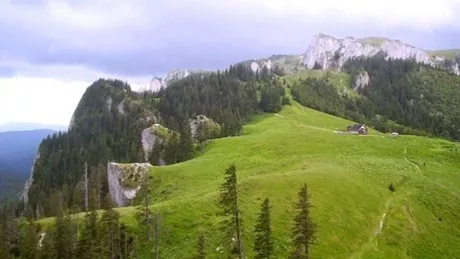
{"points": [[18, 148], [25, 126]]}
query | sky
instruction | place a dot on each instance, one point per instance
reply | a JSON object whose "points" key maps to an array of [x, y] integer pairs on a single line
{"points": [[51, 50]]}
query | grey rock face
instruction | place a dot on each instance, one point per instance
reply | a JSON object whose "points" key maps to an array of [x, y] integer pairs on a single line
{"points": [[362, 80], [211, 127], [329, 51], [455, 69], [25, 192], [121, 107], [125, 181], [150, 135]]}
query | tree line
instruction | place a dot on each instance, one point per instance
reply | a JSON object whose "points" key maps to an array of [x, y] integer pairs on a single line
{"points": [[101, 234], [108, 122], [402, 96]]}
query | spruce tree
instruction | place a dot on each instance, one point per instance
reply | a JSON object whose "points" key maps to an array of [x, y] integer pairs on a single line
{"points": [[63, 237], [228, 201], [263, 244], [144, 215], [28, 241], [303, 233], [88, 244], [186, 142], [109, 231]]}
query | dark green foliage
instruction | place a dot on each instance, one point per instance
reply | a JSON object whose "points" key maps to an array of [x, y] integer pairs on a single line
{"points": [[321, 95], [173, 152], [185, 142], [232, 225], [200, 247], [271, 98], [263, 244], [100, 133], [285, 100], [88, 244], [64, 237], [9, 233], [109, 232], [391, 187], [411, 94], [28, 241], [303, 233]]}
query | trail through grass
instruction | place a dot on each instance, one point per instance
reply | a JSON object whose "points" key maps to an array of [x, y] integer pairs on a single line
{"points": [[348, 178]]}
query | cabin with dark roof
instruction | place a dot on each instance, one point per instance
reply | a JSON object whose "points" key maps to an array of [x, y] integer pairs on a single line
{"points": [[357, 129]]}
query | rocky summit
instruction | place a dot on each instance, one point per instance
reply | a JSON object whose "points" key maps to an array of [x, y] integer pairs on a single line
{"points": [[328, 52]]}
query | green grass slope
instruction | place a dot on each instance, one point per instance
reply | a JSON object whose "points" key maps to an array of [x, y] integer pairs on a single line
{"points": [[348, 176]]}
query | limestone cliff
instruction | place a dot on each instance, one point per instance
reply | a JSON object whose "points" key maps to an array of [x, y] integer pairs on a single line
{"points": [[125, 181], [24, 196], [210, 128], [156, 83], [327, 51], [154, 134], [362, 80]]}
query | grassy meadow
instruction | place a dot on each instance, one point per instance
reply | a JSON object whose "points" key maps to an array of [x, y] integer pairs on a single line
{"points": [[348, 179]]}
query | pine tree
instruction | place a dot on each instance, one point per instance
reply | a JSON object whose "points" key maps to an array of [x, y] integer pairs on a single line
{"points": [[186, 142], [88, 244], [109, 231], [229, 203], [172, 149], [63, 237], [303, 233], [144, 215], [263, 244], [201, 135], [200, 247], [28, 241]]}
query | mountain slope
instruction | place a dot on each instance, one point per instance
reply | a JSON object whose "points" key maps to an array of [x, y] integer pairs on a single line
{"points": [[25, 126], [328, 52], [348, 178], [18, 148]]}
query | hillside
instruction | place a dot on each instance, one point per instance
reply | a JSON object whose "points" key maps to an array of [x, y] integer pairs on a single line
{"points": [[348, 177], [18, 148]]}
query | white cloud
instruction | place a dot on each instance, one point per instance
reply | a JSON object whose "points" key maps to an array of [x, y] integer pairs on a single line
{"points": [[40, 100], [414, 14], [49, 94]]}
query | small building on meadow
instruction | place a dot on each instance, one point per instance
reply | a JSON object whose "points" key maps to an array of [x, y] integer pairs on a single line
{"points": [[357, 129]]}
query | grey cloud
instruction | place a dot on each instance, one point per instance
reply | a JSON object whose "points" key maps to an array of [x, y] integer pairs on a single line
{"points": [[176, 34]]}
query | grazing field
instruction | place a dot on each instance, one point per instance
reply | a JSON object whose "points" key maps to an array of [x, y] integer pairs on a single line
{"points": [[348, 178]]}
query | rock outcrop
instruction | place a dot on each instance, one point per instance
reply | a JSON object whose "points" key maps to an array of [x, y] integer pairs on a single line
{"points": [[211, 129], [361, 81], [125, 181], [330, 52], [455, 69], [24, 196], [257, 65], [156, 83], [154, 134]]}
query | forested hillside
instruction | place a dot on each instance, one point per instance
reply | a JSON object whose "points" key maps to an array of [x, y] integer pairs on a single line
{"points": [[109, 120], [401, 96]]}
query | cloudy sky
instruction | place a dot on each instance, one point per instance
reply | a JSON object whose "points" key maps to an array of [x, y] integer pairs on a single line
{"points": [[51, 50]]}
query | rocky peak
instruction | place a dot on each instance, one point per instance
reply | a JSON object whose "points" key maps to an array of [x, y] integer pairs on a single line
{"points": [[328, 51]]}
